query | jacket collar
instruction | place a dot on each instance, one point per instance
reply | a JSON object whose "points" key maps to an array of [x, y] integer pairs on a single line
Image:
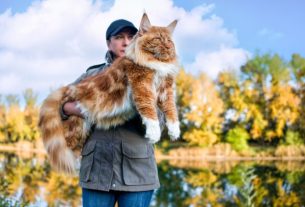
{"points": [[109, 57]]}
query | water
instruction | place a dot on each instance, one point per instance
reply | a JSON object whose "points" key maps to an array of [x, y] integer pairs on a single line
{"points": [[27, 180]]}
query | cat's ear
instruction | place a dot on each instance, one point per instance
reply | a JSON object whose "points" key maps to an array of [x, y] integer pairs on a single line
{"points": [[171, 27], [144, 25]]}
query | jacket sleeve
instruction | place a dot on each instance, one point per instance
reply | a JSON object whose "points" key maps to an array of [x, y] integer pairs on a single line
{"points": [[79, 79]]}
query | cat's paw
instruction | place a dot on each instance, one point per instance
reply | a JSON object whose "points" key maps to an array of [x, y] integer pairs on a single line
{"points": [[153, 132], [173, 130]]}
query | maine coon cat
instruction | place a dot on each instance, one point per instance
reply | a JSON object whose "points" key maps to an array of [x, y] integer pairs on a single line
{"points": [[139, 82]]}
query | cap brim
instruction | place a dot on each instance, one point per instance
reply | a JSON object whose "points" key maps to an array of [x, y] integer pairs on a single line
{"points": [[119, 29]]}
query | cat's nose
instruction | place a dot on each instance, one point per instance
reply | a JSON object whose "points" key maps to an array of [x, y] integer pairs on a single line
{"points": [[167, 45]]}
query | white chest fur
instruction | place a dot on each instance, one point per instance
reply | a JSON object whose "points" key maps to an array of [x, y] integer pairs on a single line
{"points": [[158, 79]]}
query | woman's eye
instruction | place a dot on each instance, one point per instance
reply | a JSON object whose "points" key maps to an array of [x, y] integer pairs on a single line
{"points": [[118, 37]]}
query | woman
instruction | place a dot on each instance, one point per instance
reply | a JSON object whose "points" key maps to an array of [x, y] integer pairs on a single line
{"points": [[118, 165]]}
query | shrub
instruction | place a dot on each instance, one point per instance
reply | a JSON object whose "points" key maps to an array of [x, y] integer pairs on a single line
{"points": [[238, 137], [293, 138]]}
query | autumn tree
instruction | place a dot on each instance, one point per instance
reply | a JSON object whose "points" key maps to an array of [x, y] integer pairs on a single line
{"points": [[200, 108], [260, 99], [2, 120], [18, 123], [297, 65], [283, 103], [31, 113]]}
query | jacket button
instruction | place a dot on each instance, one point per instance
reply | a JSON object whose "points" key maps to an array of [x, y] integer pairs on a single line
{"points": [[113, 185]]}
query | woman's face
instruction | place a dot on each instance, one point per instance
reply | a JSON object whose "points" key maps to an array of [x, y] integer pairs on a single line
{"points": [[118, 43]]}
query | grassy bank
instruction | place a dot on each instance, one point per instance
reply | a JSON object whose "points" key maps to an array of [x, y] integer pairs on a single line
{"points": [[222, 151]]}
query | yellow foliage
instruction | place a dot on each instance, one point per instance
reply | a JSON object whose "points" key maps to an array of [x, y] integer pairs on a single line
{"points": [[60, 188], [16, 123], [201, 108], [284, 107], [203, 178], [200, 137], [209, 196]]}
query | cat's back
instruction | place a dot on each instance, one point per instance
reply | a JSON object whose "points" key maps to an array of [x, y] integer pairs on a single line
{"points": [[115, 71]]}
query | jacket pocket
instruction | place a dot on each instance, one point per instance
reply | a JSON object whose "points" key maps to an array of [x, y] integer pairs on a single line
{"points": [[87, 161], [139, 166]]}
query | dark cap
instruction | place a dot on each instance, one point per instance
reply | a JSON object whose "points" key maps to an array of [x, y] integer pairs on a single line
{"points": [[117, 26]]}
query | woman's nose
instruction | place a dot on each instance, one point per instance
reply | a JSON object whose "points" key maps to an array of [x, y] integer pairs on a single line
{"points": [[126, 41]]}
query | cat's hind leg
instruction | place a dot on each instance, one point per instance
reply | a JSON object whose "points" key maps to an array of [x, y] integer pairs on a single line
{"points": [[145, 101], [166, 102], [153, 131]]}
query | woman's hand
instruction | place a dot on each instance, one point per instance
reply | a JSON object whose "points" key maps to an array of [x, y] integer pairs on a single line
{"points": [[71, 109]]}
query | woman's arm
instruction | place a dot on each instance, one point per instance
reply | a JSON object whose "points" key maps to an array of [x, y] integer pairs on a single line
{"points": [[69, 108]]}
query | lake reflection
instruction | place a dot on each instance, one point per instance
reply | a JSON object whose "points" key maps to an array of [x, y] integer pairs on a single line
{"points": [[29, 181]]}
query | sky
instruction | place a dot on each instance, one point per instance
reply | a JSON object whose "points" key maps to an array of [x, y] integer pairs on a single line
{"points": [[45, 44]]}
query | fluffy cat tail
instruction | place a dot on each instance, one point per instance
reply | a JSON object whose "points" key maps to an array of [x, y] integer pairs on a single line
{"points": [[51, 126]]}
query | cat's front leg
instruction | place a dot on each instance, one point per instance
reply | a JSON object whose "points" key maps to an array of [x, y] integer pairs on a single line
{"points": [[153, 131]]}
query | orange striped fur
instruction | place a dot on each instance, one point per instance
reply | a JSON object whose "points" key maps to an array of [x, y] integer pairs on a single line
{"points": [[141, 81]]}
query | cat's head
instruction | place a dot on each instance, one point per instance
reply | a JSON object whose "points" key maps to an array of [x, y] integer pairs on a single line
{"points": [[153, 43]]}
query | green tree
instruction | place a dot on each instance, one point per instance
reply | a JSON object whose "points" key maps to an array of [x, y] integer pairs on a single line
{"points": [[238, 138]]}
